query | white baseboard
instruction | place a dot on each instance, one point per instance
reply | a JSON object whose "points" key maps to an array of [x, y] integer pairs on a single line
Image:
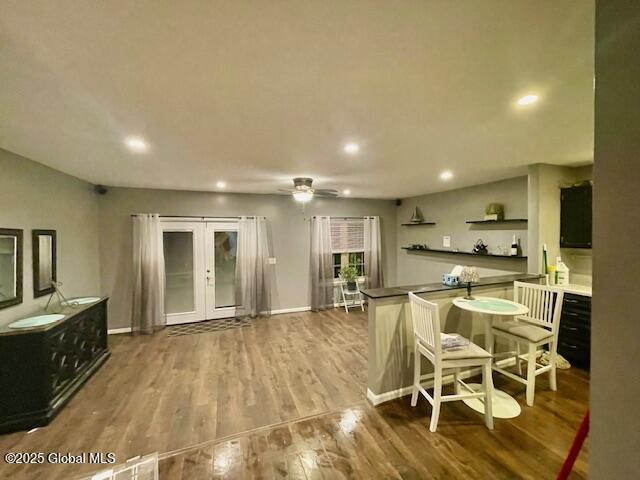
{"points": [[115, 331], [304, 309], [291, 310], [427, 382], [387, 396]]}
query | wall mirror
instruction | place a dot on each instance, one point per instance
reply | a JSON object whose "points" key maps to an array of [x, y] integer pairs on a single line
{"points": [[44, 261], [10, 267]]}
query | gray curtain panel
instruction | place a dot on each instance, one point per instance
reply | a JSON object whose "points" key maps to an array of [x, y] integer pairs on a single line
{"points": [[321, 264], [148, 275], [253, 276], [373, 252]]}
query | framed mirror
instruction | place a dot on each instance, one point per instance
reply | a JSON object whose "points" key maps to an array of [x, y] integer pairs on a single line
{"points": [[44, 261], [10, 267]]}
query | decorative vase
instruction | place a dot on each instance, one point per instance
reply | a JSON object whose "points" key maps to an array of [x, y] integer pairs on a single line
{"points": [[494, 211], [469, 275], [469, 296]]}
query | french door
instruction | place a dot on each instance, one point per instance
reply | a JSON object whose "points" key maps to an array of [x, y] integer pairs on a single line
{"points": [[221, 242], [200, 262]]}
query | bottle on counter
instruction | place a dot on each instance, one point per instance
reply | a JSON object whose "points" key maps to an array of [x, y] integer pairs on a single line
{"points": [[514, 247], [562, 272]]}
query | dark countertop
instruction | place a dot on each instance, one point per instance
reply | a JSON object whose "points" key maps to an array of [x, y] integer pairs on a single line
{"points": [[439, 287], [67, 311]]}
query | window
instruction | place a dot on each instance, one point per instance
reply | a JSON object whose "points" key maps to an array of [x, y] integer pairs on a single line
{"points": [[357, 259], [337, 264], [347, 244]]}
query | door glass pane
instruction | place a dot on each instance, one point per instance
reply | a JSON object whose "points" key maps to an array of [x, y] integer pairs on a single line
{"points": [[225, 244], [178, 266]]}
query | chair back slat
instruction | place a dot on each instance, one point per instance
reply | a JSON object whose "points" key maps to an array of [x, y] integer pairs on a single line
{"points": [[426, 322], [544, 303]]}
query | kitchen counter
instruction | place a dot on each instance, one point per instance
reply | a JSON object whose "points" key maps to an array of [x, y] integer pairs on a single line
{"points": [[439, 287], [584, 290]]}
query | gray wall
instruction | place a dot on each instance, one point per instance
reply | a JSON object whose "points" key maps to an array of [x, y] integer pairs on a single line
{"points": [[450, 210], [545, 182], [33, 196], [614, 440], [289, 230]]}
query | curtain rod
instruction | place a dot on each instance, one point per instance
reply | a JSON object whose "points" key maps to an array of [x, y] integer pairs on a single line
{"points": [[199, 216], [343, 218]]}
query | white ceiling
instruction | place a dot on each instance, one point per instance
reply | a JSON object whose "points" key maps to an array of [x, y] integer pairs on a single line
{"points": [[255, 93]]}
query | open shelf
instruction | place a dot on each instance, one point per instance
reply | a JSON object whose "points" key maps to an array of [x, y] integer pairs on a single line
{"points": [[506, 220], [415, 224], [492, 255]]}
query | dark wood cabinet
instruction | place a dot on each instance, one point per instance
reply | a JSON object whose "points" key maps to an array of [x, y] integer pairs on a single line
{"points": [[574, 338], [575, 217], [41, 369]]}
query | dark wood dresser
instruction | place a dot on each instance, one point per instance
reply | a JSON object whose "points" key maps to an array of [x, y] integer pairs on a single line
{"points": [[42, 368], [574, 339]]}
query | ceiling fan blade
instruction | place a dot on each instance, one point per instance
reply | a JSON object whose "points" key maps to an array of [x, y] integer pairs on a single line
{"points": [[325, 194], [326, 190], [282, 190]]}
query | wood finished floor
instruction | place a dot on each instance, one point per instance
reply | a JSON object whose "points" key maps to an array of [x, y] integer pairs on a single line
{"points": [[285, 398]]}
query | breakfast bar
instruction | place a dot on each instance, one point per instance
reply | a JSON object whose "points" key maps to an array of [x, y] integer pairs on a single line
{"points": [[391, 344]]}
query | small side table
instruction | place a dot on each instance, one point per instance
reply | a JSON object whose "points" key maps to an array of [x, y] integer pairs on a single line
{"points": [[355, 297]]}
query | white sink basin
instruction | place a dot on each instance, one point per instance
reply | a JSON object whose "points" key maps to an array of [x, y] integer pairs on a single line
{"points": [[36, 321], [82, 300]]}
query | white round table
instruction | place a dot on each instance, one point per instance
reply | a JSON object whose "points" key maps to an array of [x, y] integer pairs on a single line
{"points": [[504, 405]]}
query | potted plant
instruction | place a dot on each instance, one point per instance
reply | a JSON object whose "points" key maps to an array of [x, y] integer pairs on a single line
{"points": [[349, 275]]}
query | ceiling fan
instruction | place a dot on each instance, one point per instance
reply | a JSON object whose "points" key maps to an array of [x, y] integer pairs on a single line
{"points": [[303, 191]]}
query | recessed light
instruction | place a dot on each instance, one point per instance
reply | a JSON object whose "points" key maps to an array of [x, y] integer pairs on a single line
{"points": [[528, 100], [136, 144], [352, 148], [221, 184], [446, 175], [346, 192]]}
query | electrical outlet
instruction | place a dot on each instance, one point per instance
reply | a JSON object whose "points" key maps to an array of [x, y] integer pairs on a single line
{"points": [[272, 260], [446, 241]]}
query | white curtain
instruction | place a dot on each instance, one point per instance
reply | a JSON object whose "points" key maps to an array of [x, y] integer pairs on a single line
{"points": [[321, 264], [253, 279], [148, 274], [373, 252]]}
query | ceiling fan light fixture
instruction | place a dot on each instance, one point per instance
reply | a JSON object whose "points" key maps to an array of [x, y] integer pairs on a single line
{"points": [[302, 196]]}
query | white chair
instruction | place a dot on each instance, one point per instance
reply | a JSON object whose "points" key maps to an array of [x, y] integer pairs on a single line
{"points": [[355, 296], [539, 327], [428, 343]]}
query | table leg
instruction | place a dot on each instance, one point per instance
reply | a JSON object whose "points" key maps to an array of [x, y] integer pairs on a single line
{"points": [[503, 404], [488, 335]]}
